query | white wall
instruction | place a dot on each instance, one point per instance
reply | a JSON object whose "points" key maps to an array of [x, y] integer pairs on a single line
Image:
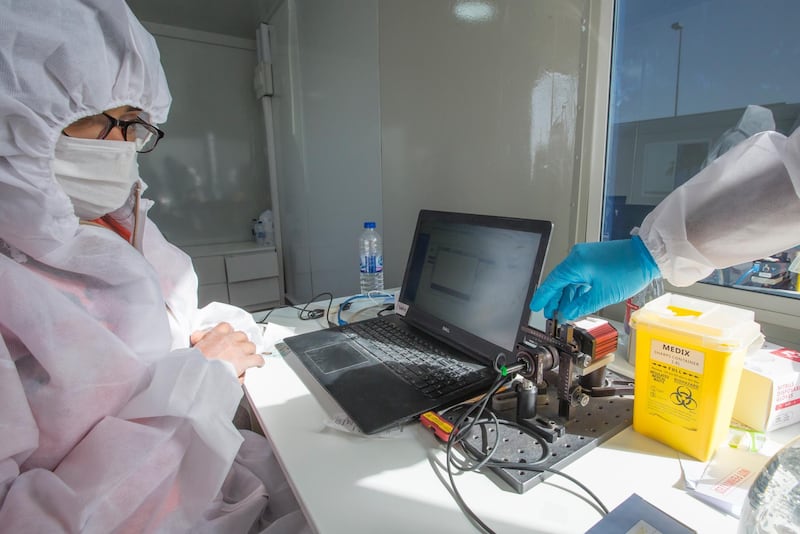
{"points": [[209, 174], [478, 116], [409, 102], [327, 131]]}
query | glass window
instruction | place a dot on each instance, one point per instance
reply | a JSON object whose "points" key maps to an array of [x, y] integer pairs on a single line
{"points": [[689, 80]]}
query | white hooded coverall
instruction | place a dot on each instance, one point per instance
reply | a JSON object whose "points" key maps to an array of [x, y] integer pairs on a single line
{"points": [[109, 422], [742, 207]]}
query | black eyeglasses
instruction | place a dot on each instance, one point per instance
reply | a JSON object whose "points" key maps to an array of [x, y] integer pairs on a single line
{"points": [[145, 135]]}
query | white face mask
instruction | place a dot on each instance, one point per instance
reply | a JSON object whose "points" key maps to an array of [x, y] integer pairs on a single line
{"points": [[96, 174]]}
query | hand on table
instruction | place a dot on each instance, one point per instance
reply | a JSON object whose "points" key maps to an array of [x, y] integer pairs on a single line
{"points": [[224, 343]]}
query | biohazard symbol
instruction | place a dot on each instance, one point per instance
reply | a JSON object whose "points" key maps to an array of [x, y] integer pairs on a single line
{"points": [[683, 397]]}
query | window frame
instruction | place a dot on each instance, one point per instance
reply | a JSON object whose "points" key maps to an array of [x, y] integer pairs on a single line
{"points": [[778, 316]]}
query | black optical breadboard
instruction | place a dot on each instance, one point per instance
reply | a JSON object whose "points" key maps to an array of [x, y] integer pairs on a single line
{"points": [[593, 424]]}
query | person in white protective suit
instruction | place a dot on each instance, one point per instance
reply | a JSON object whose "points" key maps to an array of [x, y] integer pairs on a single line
{"points": [[755, 119], [116, 392], [744, 206]]}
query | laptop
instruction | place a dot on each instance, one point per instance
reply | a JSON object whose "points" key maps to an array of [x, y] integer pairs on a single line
{"points": [[465, 294]]}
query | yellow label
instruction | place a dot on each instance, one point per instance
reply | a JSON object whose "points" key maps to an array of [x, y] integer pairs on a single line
{"points": [[684, 312], [674, 390]]}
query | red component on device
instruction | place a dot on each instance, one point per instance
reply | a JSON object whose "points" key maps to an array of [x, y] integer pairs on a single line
{"points": [[440, 426], [599, 337]]}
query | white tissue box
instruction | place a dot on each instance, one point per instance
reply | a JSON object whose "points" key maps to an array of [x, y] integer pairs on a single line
{"points": [[769, 390]]}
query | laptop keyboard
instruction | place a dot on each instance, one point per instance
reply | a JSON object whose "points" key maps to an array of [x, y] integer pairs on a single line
{"points": [[421, 364]]}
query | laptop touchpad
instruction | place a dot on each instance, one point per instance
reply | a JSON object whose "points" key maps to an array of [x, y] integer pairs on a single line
{"points": [[332, 358]]}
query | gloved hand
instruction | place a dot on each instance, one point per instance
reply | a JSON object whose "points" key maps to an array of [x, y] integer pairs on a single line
{"points": [[595, 275]]}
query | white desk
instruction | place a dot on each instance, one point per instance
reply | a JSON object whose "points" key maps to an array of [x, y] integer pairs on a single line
{"points": [[352, 484]]}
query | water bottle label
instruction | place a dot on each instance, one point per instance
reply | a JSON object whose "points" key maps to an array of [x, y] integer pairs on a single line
{"points": [[371, 264]]}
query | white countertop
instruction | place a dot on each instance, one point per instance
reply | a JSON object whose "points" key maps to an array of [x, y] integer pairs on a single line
{"points": [[348, 483], [218, 249]]}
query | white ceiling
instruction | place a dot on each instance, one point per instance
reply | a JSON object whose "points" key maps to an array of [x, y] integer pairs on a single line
{"points": [[229, 17]]}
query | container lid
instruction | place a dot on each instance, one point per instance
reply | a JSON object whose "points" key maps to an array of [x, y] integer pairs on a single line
{"points": [[369, 224], [717, 325]]}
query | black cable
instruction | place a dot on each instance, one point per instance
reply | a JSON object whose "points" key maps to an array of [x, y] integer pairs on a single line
{"points": [[304, 314], [531, 467], [528, 466], [311, 313], [459, 499], [536, 437], [481, 462], [269, 312], [462, 433], [387, 308], [264, 319], [458, 434]]}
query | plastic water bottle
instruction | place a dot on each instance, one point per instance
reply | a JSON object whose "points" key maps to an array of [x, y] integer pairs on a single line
{"points": [[260, 232], [371, 252], [269, 227], [773, 502]]}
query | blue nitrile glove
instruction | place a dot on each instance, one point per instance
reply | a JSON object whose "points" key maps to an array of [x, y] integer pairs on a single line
{"points": [[593, 276]]}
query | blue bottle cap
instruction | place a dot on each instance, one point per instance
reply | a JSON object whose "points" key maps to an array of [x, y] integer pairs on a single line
{"points": [[369, 224]]}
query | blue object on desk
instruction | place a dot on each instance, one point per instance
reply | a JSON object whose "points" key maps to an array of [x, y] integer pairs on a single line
{"points": [[343, 305]]}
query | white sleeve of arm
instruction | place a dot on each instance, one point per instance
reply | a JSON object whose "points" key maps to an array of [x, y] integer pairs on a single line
{"points": [[155, 466], [206, 392], [742, 207], [216, 312]]}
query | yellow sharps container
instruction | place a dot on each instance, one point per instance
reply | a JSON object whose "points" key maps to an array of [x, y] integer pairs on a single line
{"points": [[689, 358]]}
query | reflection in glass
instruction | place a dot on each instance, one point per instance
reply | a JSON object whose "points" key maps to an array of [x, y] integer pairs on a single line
{"points": [[690, 80]]}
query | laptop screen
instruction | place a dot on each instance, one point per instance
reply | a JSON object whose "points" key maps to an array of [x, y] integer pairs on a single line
{"points": [[474, 272]]}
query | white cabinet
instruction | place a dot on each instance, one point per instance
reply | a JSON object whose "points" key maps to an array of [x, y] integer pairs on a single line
{"points": [[243, 274]]}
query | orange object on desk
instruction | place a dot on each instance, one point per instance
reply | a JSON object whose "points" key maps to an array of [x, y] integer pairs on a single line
{"points": [[440, 426]]}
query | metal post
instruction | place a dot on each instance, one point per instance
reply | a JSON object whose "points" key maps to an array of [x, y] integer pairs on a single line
{"points": [[677, 27]]}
